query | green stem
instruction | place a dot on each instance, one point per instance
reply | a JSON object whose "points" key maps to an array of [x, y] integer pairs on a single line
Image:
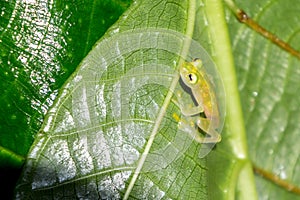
{"points": [[234, 119]]}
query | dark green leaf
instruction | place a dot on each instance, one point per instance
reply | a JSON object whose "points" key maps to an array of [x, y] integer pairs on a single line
{"points": [[41, 43]]}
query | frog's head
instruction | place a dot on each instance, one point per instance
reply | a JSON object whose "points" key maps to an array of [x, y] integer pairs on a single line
{"points": [[189, 72]]}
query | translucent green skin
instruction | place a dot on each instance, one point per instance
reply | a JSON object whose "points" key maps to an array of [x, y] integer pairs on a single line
{"points": [[202, 91]]}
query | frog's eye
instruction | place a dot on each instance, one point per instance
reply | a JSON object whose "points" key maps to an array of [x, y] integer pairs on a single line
{"points": [[192, 78]]}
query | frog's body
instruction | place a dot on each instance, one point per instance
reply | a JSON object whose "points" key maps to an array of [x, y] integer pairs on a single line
{"points": [[195, 78]]}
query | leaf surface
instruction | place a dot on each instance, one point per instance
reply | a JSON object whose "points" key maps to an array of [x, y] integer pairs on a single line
{"points": [[267, 78], [40, 46], [269, 84], [118, 100]]}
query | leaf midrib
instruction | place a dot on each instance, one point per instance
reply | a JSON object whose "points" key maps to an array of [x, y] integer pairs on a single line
{"points": [[185, 49]]}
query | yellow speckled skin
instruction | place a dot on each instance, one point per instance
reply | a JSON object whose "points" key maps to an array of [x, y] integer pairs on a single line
{"points": [[202, 91]]}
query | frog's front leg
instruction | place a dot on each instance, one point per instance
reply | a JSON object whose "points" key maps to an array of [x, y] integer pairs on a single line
{"points": [[191, 110], [186, 105]]}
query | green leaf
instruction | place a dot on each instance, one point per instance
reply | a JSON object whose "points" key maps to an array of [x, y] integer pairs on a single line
{"points": [[116, 110], [41, 44], [268, 84], [269, 87]]}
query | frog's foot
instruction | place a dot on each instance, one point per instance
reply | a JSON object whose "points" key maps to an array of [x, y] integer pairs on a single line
{"points": [[207, 138]]}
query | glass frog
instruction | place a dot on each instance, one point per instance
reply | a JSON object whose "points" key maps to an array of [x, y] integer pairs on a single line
{"points": [[200, 116]]}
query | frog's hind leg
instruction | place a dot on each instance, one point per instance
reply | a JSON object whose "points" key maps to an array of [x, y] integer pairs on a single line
{"points": [[205, 135], [212, 136]]}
